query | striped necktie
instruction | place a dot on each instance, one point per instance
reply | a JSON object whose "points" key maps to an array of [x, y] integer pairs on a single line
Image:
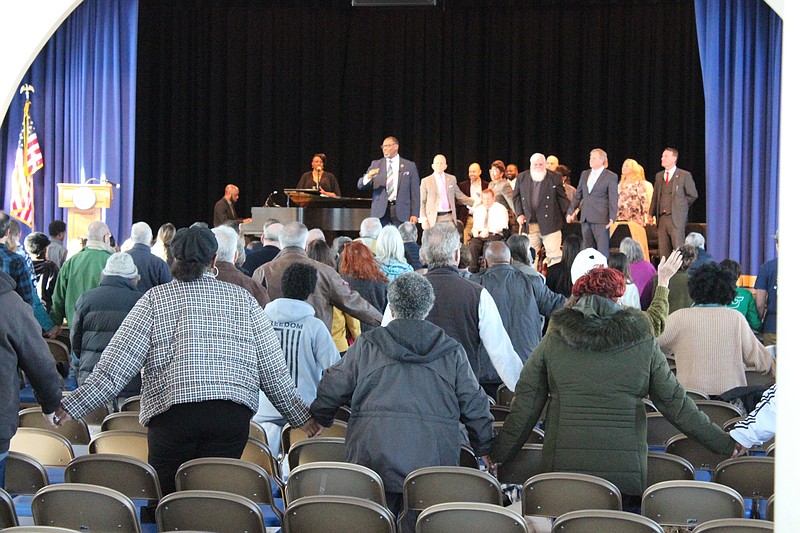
{"points": [[389, 179]]}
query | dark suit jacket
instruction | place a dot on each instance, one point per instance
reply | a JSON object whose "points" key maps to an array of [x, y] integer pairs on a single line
{"points": [[462, 210], [602, 203], [327, 182], [552, 205], [684, 193], [223, 212], [407, 189]]}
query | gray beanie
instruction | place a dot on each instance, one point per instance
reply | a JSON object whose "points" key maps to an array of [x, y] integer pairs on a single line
{"points": [[121, 264]]}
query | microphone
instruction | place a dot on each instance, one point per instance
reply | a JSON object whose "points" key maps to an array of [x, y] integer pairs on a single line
{"points": [[267, 202]]}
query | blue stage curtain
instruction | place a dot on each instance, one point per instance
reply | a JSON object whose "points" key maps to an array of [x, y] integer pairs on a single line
{"points": [[740, 45], [83, 109]]}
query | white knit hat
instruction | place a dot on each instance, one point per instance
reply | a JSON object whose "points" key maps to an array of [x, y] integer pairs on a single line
{"points": [[585, 261], [121, 264]]}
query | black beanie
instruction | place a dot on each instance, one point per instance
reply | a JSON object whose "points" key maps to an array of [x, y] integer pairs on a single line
{"points": [[194, 244]]}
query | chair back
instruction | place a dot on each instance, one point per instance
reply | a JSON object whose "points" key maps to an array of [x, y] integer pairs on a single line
{"points": [[38, 529], [697, 395], [128, 475], [536, 436], [96, 416], [719, 412], [443, 484], [690, 503], [326, 514], [594, 520], [335, 479], [701, 457], [209, 510], [257, 453], [504, 396], [123, 421], [8, 515], [131, 404], [662, 466], [735, 525], [468, 458], [526, 464], [555, 493], [47, 447], [24, 474], [659, 429], [757, 379], [59, 351], [770, 509], [290, 436], [317, 449], [499, 412], [753, 477], [84, 508], [468, 517], [130, 443], [75, 431], [343, 414], [257, 432]]}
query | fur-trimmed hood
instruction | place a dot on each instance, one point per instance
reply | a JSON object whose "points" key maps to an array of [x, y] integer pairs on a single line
{"points": [[598, 324]]}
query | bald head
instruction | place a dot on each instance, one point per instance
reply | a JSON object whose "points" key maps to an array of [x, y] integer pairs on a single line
{"points": [[97, 231], [497, 253], [439, 164], [552, 162], [474, 172], [231, 192]]}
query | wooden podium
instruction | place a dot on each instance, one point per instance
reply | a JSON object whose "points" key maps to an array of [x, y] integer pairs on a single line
{"points": [[84, 203]]}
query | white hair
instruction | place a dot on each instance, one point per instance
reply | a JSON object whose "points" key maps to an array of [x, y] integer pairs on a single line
{"points": [[293, 234], [370, 227], [141, 233], [390, 245], [537, 155], [96, 231], [314, 235], [226, 243], [272, 231], [696, 240]]}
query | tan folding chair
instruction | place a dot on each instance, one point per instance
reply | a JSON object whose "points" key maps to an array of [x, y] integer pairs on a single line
{"points": [[257, 432], [24, 474], [130, 443], [123, 421], [598, 520], [228, 475], [470, 517], [526, 464], [59, 351], [757, 379], [84, 508], [131, 404], [317, 449], [659, 429], [771, 508], [258, 453], [701, 457], [719, 412], [753, 477], [690, 503], [662, 466], [209, 510], [554, 493], [37, 529], [504, 396], [326, 514], [771, 450], [468, 458], [96, 416], [8, 515], [291, 436], [134, 478], [47, 447], [335, 479], [75, 431], [735, 525]]}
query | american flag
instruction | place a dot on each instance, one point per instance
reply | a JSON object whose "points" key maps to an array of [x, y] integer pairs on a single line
{"points": [[28, 160]]}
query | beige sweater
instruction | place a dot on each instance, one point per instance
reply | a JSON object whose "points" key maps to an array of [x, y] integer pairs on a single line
{"points": [[712, 347]]}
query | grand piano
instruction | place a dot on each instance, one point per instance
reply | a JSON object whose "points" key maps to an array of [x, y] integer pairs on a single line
{"points": [[334, 216]]}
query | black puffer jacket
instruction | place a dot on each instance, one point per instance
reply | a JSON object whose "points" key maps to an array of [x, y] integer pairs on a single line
{"points": [[98, 315]]}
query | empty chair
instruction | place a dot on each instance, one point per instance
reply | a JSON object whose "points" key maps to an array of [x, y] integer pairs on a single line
{"points": [[735, 525], [257, 432], [258, 453], [131, 443], [8, 515], [84, 508], [130, 476], [470, 518], [337, 514], [504, 396], [719, 412], [131, 404], [701, 457], [697, 394], [123, 421], [335, 479], [290, 435], [526, 464], [468, 457], [24, 474], [690, 503], [662, 466], [555, 493], [317, 449], [209, 510], [753, 477], [659, 430], [228, 475], [75, 431], [598, 520], [47, 447], [499, 412]]}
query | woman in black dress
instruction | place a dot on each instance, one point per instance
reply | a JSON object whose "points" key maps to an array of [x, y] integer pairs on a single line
{"points": [[317, 178]]}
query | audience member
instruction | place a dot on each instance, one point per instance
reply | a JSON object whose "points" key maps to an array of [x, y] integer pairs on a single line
{"points": [[99, 313], [161, 247], [308, 348], [225, 210], [767, 298], [338, 246], [408, 385], [490, 220], [759, 426], [46, 271], [679, 297], [315, 234], [619, 262], [408, 232], [266, 254], [519, 246], [572, 361], [200, 389], [362, 273], [391, 254], [344, 328], [559, 277], [152, 269], [713, 344], [699, 243], [226, 271], [744, 302], [369, 231], [642, 271], [55, 250]]}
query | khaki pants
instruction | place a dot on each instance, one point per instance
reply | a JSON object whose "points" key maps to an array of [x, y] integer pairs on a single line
{"points": [[551, 243]]}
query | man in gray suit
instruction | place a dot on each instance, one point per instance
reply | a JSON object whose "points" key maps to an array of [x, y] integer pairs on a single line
{"points": [[674, 192], [438, 194], [597, 190]]}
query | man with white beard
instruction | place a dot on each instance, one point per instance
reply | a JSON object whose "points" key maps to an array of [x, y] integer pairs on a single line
{"points": [[541, 204]]}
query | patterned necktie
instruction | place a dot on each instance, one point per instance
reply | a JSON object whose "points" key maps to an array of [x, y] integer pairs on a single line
{"points": [[389, 178]]}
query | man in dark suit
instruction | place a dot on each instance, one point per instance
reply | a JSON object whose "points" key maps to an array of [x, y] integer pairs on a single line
{"points": [[438, 195], [597, 197], [224, 209], [674, 192], [540, 201], [395, 186]]}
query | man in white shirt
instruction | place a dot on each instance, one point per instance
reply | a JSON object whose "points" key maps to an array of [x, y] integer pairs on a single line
{"points": [[438, 194], [472, 188], [488, 222]]}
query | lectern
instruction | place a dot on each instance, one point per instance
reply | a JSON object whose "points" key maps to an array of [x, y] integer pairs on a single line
{"points": [[84, 203]]}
